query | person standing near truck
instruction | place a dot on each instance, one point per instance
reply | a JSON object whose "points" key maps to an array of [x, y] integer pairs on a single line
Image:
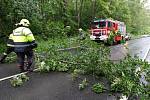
{"points": [[81, 34]]}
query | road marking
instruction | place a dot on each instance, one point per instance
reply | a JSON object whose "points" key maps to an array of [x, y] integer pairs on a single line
{"points": [[146, 54], [144, 58], [143, 74], [6, 78]]}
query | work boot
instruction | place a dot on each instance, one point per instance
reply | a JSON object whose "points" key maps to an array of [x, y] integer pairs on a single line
{"points": [[28, 66], [21, 69], [30, 70]]}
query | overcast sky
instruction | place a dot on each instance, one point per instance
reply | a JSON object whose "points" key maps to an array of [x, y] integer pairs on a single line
{"points": [[148, 4]]}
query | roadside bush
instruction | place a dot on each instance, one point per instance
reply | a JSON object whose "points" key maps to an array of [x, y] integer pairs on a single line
{"points": [[53, 29], [19, 80], [98, 88], [2, 47]]}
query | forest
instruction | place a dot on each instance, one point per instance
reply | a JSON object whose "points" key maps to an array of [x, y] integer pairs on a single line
{"points": [[49, 17]]}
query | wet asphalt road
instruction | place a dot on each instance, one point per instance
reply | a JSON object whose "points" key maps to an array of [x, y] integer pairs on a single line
{"points": [[139, 47], [59, 86], [8, 70], [51, 86]]}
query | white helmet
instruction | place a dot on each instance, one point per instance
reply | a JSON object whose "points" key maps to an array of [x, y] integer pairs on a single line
{"points": [[24, 22], [80, 29]]}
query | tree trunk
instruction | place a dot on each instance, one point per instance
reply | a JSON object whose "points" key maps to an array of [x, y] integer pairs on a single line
{"points": [[79, 13], [93, 9], [65, 3]]}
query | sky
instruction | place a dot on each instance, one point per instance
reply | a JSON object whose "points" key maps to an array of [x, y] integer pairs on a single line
{"points": [[147, 5]]}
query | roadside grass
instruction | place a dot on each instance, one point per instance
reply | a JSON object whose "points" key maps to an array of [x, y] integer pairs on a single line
{"points": [[2, 47]]}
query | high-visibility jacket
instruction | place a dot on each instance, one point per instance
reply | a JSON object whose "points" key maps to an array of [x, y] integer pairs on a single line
{"points": [[22, 38], [10, 42]]}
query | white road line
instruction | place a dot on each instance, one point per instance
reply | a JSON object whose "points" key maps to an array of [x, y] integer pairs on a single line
{"points": [[143, 74], [6, 78], [146, 54]]}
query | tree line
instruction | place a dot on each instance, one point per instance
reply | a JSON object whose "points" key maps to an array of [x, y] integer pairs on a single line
{"points": [[49, 17]]}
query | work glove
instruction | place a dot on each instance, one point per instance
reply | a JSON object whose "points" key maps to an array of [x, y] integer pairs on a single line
{"points": [[33, 45]]}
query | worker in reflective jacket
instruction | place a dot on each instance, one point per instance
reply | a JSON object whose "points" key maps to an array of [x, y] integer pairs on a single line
{"points": [[24, 42], [10, 48]]}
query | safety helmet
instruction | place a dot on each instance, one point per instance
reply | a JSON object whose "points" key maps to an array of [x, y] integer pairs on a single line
{"points": [[24, 22], [80, 29]]}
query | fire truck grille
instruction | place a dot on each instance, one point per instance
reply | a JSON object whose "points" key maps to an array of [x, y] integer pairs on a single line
{"points": [[97, 34]]}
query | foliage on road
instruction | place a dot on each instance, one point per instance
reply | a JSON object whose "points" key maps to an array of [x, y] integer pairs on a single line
{"points": [[98, 88], [92, 59], [83, 84], [19, 80]]}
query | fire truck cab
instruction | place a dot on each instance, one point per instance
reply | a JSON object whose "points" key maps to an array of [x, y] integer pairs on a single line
{"points": [[101, 28]]}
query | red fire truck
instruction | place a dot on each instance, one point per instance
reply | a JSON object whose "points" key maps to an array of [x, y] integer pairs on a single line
{"points": [[102, 28]]}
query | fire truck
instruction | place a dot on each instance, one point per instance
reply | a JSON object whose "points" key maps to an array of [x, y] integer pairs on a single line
{"points": [[102, 29]]}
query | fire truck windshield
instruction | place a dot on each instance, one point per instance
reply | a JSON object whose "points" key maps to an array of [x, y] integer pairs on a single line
{"points": [[100, 24]]}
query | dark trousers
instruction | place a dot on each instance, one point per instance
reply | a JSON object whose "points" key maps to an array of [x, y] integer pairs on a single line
{"points": [[8, 51], [21, 59]]}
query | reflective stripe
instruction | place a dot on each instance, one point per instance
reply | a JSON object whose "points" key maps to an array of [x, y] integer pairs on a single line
{"points": [[21, 45], [19, 31], [18, 35], [4, 53], [29, 34], [10, 45]]}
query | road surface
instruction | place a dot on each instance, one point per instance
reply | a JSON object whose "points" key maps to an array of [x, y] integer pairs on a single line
{"points": [[49, 86], [140, 48]]}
